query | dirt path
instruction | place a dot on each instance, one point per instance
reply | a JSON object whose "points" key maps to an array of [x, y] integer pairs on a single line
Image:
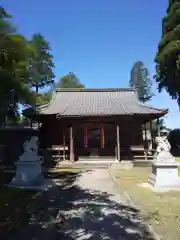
{"points": [[84, 206]]}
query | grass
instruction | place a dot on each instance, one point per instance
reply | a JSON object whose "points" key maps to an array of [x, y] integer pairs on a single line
{"points": [[15, 203], [178, 160], [162, 209]]}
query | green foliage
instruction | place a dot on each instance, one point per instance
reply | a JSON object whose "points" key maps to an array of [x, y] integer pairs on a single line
{"points": [[174, 140], [158, 125], [6, 26], [69, 81], [161, 123], [168, 55], [23, 120], [41, 63], [23, 65], [44, 98], [141, 82], [174, 137], [14, 53]]}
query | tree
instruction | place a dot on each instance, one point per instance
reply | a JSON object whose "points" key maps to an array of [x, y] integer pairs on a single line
{"points": [[44, 98], [14, 53], [158, 125], [6, 26], [168, 55], [140, 81], [41, 64], [69, 81], [174, 140]]}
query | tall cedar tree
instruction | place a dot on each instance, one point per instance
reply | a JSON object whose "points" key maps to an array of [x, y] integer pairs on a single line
{"points": [[41, 63], [14, 53], [141, 82], [168, 54]]}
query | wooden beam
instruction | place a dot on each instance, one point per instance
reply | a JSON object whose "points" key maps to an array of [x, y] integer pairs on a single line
{"points": [[145, 128], [64, 138], [71, 144], [151, 134], [158, 127], [118, 143], [145, 131]]}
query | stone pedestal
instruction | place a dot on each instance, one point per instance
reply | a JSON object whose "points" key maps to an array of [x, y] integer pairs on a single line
{"points": [[165, 175], [29, 170], [28, 174]]}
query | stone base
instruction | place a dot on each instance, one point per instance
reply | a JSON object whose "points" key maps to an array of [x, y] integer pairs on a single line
{"points": [[47, 184], [165, 175], [28, 174], [126, 165]]}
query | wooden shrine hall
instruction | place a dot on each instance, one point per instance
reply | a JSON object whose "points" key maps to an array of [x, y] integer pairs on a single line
{"points": [[94, 123]]}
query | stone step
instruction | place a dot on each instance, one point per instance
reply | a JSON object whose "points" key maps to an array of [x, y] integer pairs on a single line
{"points": [[85, 165], [96, 159]]}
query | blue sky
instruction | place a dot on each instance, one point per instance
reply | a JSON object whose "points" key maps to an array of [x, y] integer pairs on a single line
{"points": [[99, 40]]}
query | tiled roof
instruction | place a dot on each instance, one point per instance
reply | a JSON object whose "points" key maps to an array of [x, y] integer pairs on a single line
{"points": [[101, 102]]}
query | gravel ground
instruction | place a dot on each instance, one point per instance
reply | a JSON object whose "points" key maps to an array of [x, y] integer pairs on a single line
{"points": [[84, 206]]}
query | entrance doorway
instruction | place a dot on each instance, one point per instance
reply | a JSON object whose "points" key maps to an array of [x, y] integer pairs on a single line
{"points": [[94, 141]]}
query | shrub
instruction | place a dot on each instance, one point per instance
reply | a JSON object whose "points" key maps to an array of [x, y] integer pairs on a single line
{"points": [[174, 140]]}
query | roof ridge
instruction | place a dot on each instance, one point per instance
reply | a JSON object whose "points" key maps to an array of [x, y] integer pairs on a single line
{"points": [[94, 89]]}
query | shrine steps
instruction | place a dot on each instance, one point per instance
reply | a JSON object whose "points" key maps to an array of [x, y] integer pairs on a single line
{"points": [[97, 159], [85, 164]]}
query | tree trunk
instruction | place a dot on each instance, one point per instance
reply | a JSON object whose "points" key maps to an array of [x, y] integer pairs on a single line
{"points": [[37, 88]]}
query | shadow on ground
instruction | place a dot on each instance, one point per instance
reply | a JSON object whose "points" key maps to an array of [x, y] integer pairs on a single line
{"points": [[68, 212]]}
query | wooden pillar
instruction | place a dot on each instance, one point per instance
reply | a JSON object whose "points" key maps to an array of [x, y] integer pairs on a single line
{"points": [[85, 137], [118, 143], [64, 138], [102, 137], [145, 131], [71, 144], [64, 144], [158, 127], [151, 134]]}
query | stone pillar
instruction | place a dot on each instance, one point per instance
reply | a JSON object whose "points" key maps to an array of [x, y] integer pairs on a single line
{"points": [[71, 144], [118, 143]]}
